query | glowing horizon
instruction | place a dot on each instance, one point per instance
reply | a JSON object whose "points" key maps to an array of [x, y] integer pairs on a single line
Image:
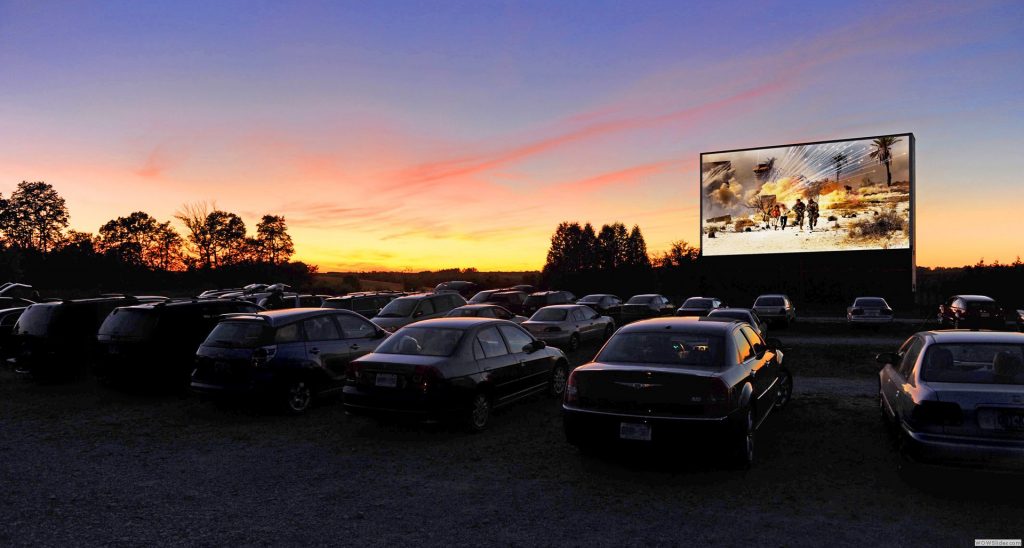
{"points": [[402, 137]]}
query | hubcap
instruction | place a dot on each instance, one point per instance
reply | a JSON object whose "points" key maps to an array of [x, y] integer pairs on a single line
{"points": [[481, 411], [574, 342], [299, 396], [558, 381], [785, 389]]}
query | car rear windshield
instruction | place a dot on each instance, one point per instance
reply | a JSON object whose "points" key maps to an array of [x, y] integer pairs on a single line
{"points": [[870, 303], [338, 304], [734, 314], [640, 299], [422, 341], [481, 297], [974, 363], [129, 323], [549, 315], [980, 305], [464, 313], [36, 319], [769, 301], [249, 334], [399, 308], [697, 303], [663, 349], [590, 299], [536, 300]]}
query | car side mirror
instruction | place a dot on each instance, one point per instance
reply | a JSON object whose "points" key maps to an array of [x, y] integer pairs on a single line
{"points": [[889, 358], [595, 316], [534, 346], [760, 350], [380, 334], [775, 344]]}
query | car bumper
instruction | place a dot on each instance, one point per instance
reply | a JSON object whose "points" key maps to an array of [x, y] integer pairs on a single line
{"points": [[869, 320], [363, 402], [583, 426], [255, 385], [965, 451]]}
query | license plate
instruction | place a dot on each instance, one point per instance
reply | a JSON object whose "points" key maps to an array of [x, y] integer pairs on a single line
{"points": [[872, 312], [387, 380], [1011, 420], [634, 431], [983, 314]]}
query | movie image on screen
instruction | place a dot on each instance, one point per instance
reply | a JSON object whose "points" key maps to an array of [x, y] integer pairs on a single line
{"points": [[834, 196]]}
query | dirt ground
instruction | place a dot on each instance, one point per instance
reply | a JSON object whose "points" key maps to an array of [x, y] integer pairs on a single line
{"points": [[86, 465]]}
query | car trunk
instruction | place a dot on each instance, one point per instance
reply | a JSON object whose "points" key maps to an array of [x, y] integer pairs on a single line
{"points": [[637, 390], [223, 365], [988, 410], [403, 374]]}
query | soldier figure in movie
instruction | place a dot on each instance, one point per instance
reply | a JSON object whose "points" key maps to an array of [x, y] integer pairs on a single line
{"points": [[799, 209], [812, 213]]}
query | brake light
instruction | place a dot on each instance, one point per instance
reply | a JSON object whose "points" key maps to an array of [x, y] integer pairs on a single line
{"points": [[424, 376], [937, 413], [354, 371], [572, 394], [262, 355], [856, 312], [717, 400]]}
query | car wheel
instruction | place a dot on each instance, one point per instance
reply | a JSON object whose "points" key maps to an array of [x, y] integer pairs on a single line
{"points": [[609, 330], [559, 376], [298, 397], [479, 413], [785, 389], [574, 342], [743, 441]]}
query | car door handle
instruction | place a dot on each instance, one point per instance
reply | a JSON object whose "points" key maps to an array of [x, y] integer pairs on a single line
{"points": [[354, 347], [314, 350]]}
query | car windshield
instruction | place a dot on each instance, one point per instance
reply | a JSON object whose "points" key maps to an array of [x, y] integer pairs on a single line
{"points": [[399, 308], [769, 301], [464, 313], [422, 341], [870, 302], [549, 315], [129, 323], [481, 297], [249, 334], [664, 349], [696, 302], [974, 363], [981, 305], [36, 319], [640, 299]]}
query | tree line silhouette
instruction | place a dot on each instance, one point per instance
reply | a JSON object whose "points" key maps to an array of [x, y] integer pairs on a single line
{"points": [[138, 251]]}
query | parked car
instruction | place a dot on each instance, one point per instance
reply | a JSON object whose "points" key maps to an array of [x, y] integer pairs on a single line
{"points": [[155, 344], [8, 317], [699, 306], [955, 397], [605, 303], [413, 308], [57, 340], [540, 299], [641, 307], [288, 357], [706, 384], [569, 325], [454, 367], [368, 304], [485, 311], [481, 296], [525, 288], [512, 300], [463, 288], [775, 308], [971, 312], [744, 315], [1020, 320], [290, 300], [869, 311]]}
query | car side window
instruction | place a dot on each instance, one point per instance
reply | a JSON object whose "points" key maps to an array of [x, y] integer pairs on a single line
{"points": [[321, 328], [478, 350], [502, 314], [486, 313], [517, 338], [753, 338], [288, 333], [426, 307], [491, 343], [355, 328], [910, 358], [743, 349], [577, 314]]}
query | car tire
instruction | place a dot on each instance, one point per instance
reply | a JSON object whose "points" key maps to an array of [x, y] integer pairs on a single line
{"points": [[742, 441], [479, 413], [297, 396], [574, 342], [785, 388], [609, 330], [559, 377]]}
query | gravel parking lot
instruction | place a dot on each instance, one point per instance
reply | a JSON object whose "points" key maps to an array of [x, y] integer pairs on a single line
{"points": [[83, 465]]}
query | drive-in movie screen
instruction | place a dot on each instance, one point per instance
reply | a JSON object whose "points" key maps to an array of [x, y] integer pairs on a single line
{"points": [[835, 196]]}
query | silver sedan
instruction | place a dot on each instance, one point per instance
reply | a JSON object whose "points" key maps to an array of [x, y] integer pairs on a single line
{"points": [[568, 325], [957, 397]]}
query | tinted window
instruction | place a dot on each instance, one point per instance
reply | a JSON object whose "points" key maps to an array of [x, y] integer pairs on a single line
{"points": [[974, 363], [517, 338], [426, 307], [663, 348], [591, 299], [869, 303], [769, 301], [698, 303], [743, 350], [639, 299], [550, 315], [288, 333], [481, 297], [422, 341], [237, 335], [399, 308], [321, 328], [491, 343], [37, 318], [502, 314], [129, 323], [486, 313], [463, 313]]}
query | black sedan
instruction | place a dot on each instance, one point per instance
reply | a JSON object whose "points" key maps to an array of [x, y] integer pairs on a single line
{"points": [[461, 367], [671, 380]]}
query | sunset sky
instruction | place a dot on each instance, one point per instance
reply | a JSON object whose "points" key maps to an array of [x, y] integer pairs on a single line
{"points": [[416, 135]]}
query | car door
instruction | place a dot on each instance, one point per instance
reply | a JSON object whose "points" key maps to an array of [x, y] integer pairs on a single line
{"points": [[580, 323], [535, 366], [325, 346], [767, 367], [500, 367], [754, 368], [894, 375], [904, 383], [360, 336]]}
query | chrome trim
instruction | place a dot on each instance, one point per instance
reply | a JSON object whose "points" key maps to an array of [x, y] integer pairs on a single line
{"points": [[566, 407]]}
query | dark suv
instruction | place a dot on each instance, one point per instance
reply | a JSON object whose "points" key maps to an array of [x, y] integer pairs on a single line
{"points": [[540, 299], [972, 312], [413, 308], [57, 340], [511, 300], [156, 343], [368, 304], [286, 356]]}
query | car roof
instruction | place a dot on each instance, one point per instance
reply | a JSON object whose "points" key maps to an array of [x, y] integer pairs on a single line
{"points": [[974, 298], [461, 322], [772, 295], [973, 336], [545, 293], [507, 291], [598, 295], [289, 315], [565, 306], [184, 303], [688, 325], [647, 295], [479, 305]]}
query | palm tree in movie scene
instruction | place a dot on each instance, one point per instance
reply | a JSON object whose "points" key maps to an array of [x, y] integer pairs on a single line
{"points": [[882, 152], [839, 160]]}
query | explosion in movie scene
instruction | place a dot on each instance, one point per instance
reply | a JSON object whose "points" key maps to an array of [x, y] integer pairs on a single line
{"points": [[837, 196]]}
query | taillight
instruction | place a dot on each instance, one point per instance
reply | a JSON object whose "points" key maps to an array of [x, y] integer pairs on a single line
{"points": [[571, 389], [262, 355], [938, 413], [423, 376], [354, 372], [856, 312], [717, 400]]}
